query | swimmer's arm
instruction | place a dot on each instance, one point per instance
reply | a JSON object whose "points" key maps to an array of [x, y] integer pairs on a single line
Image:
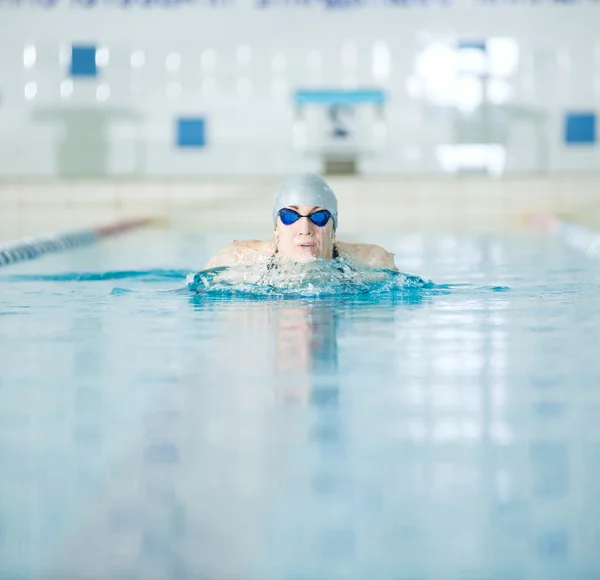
{"points": [[225, 257], [368, 255], [240, 253], [379, 257]]}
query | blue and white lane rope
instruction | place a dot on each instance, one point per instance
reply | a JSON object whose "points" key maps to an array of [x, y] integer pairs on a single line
{"points": [[572, 234], [579, 237], [34, 247]]}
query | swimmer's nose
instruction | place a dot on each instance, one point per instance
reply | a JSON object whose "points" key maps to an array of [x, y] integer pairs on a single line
{"points": [[304, 226]]}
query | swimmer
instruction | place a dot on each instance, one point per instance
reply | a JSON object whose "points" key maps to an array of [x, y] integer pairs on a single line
{"points": [[305, 216]]}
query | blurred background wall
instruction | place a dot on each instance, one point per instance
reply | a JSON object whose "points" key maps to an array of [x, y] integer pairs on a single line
{"points": [[199, 88]]}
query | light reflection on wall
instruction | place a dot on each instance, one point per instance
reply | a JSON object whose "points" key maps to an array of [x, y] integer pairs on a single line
{"points": [[469, 78], [29, 56]]}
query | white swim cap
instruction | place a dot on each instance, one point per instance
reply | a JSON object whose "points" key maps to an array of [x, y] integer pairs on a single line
{"points": [[305, 189]]}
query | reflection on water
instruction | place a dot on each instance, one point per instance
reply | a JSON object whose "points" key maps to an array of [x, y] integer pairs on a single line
{"points": [[169, 435]]}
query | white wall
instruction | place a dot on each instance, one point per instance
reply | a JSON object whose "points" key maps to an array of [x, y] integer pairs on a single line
{"points": [[558, 69]]}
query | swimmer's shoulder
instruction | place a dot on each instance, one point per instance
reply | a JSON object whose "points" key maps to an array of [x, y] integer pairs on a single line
{"points": [[367, 255], [241, 253]]}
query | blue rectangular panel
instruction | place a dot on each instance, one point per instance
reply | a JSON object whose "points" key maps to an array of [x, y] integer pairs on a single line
{"points": [[580, 128], [191, 132], [83, 61], [473, 45], [338, 96]]}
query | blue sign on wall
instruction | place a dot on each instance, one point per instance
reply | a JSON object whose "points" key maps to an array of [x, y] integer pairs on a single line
{"points": [[83, 61], [339, 96], [580, 128], [191, 132], [473, 45]]}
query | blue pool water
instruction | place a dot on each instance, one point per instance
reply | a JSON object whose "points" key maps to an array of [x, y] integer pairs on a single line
{"points": [[149, 433]]}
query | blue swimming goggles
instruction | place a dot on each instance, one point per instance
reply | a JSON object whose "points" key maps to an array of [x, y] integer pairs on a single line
{"points": [[290, 216]]}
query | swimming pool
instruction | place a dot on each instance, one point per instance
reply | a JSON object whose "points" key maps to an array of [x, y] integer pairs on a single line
{"points": [[147, 434]]}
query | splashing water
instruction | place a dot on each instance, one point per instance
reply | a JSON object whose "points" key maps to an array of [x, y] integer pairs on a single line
{"points": [[316, 278]]}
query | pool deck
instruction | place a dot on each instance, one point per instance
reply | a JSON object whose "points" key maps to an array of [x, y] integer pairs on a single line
{"points": [[466, 204]]}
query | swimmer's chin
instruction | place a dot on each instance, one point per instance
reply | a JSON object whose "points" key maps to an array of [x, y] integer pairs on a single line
{"points": [[303, 257], [307, 258], [306, 254]]}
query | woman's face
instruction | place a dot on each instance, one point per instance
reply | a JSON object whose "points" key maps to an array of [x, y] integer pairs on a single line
{"points": [[303, 240]]}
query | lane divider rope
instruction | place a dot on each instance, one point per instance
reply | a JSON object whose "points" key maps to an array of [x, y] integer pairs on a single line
{"points": [[34, 247]]}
